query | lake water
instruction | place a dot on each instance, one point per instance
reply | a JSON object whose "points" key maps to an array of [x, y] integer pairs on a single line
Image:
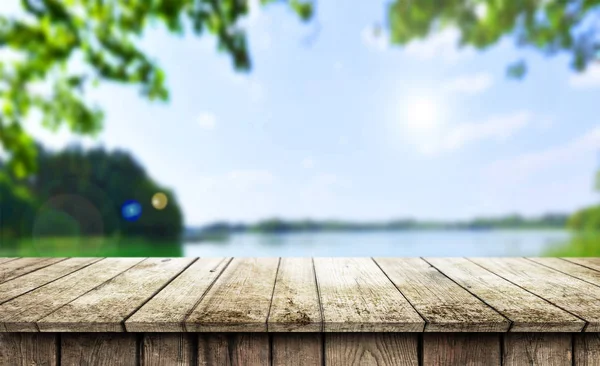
{"points": [[495, 243]]}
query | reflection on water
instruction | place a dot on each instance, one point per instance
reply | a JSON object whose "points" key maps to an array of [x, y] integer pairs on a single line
{"points": [[392, 244]]}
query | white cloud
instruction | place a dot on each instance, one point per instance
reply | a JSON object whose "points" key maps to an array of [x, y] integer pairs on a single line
{"points": [[589, 79], [207, 121], [498, 128], [530, 163], [375, 38], [443, 137], [440, 46], [469, 84], [308, 163]]}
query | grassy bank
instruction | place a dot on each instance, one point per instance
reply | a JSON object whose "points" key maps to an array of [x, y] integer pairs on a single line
{"points": [[89, 247]]}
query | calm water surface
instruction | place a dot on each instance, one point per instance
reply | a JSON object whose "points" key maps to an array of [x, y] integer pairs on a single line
{"points": [[391, 244]]}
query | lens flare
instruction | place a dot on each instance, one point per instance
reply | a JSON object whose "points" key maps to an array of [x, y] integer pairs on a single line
{"points": [[131, 210], [159, 200]]}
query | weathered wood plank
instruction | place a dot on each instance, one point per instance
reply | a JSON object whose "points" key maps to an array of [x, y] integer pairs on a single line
{"points": [[371, 349], [297, 349], [167, 310], [168, 349], [528, 312], [101, 349], [571, 269], [26, 349], [18, 286], [548, 349], [233, 349], [21, 313], [7, 259], [105, 308], [586, 349], [19, 267], [295, 306], [593, 263], [239, 300], [571, 294], [446, 306], [468, 349], [356, 296]]}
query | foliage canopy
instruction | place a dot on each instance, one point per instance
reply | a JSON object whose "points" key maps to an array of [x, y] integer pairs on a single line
{"points": [[80, 193], [550, 26]]}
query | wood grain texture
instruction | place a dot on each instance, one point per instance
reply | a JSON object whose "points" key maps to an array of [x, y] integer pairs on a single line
{"points": [[357, 297], [26, 349], [239, 300], [547, 349], [7, 259], [371, 349], [21, 266], [167, 310], [571, 294], [168, 349], [98, 349], [105, 308], [468, 349], [233, 349], [22, 313], [586, 349], [446, 306], [295, 306], [297, 349], [593, 263], [18, 286], [528, 312], [571, 269]]}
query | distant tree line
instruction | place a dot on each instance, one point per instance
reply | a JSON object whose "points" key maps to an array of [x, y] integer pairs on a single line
{"points": [[586, 219], [79, 192], [276, 225]]}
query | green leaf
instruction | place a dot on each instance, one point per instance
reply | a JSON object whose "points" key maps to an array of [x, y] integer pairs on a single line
{"points": [[303, 9], [517, 70]]}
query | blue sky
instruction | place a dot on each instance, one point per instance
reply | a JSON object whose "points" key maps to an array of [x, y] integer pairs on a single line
{"points": [[348, 127]]}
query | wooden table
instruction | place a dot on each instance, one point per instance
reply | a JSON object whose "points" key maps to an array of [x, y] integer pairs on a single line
{"points": [[299, 311]]}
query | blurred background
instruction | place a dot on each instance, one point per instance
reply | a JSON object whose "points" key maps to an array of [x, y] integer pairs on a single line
{"points": [[299, 128]]}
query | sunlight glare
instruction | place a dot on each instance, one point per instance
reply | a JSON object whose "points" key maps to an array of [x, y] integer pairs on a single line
{"points": [[422, 114]]}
